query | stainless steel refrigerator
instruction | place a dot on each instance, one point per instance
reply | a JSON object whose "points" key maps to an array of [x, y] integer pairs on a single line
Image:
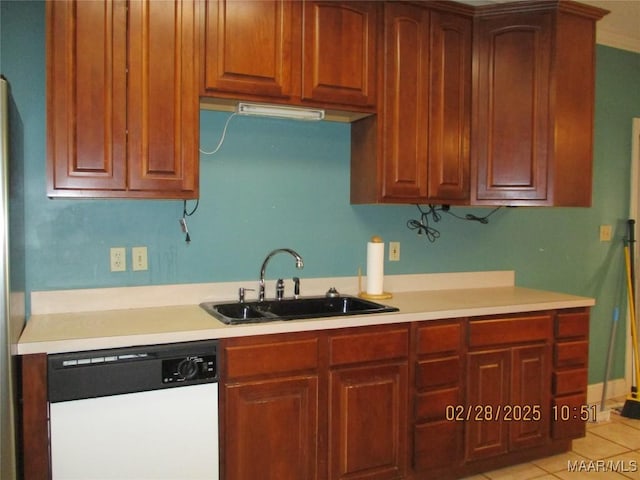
{"points": [[12, 274]]}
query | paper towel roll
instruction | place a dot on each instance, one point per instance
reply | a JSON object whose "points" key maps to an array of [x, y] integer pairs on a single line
{"points": [[375, 266]]}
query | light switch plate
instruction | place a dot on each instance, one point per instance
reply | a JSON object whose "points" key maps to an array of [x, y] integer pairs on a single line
{"points": [[605, 233], [394, 251], [139, 259]]}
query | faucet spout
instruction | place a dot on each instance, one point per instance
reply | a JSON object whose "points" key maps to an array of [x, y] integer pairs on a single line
{"points": [[293, 253]]}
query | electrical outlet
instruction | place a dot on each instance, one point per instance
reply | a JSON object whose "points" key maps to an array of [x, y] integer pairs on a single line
{"points": [[394, 251], [605, 233], [139, 259], [118, 259]]}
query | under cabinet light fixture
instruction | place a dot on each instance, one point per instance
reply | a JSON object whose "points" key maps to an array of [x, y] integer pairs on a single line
{"points": [[278, 111]]}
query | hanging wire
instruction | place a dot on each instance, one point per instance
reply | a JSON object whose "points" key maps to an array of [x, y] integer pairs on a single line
{"points": [[423, 227], [183, 220], [222, 137]]}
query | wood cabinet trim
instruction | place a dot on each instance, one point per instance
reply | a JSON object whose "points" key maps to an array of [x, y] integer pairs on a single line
{"points": [[34, 450]]}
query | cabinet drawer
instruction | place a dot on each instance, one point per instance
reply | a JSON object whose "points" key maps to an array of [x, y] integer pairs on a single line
{"points": [[570, 354], [504, 331], [437, 444], [433, 405], [567, 422], [370, 346], [572, 324], [570, 381], [277, 357], [438, 338], [438, 372]]}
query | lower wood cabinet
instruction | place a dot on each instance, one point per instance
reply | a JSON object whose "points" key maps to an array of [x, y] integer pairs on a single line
{"points": [[570, 361], [424, 400], [508, 384], [269, 407], [368, 403], [320, 405], [438, 364], [508, 400], [257, 446]]}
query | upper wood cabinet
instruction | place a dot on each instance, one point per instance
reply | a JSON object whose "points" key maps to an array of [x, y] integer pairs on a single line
{"points": [[339, 52], [417, 149], [250, 47], [122, 99], [533, 113], [517, 129], [310, 52]]}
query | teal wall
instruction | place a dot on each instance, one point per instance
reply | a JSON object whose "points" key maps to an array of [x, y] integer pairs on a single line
{"points": [[277, 183]]}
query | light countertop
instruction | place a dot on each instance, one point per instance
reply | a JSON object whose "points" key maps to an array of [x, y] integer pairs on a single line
{"points": [[78, 331]]}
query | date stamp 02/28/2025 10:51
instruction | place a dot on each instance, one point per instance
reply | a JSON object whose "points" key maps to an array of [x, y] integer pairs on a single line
{"points": [[518, 413]]}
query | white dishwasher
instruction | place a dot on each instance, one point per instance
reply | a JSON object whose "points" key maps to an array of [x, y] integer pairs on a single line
{"points": [[137, 413]]}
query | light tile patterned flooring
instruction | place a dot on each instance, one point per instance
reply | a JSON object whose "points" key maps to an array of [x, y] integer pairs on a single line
{"points": [[610, 451]]}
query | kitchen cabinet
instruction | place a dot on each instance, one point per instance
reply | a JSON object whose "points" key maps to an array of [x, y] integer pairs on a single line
{"points": [[570, 362], [438, 362], [122, 99], [250, 47], [508, 388], [289, 414], [533, 108], [339, 52], [270, 404], [311, 52], [417, 148], [500, 116], [368, 403]]}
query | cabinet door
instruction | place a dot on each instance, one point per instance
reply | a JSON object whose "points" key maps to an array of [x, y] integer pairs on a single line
{"points": [[405, 111], [427, 109], [339, 52], [488, 385], [253, 47], [162, 99], [86, 96], [368, 422], [530, 396], [449, 107], [271, 429], [511, 122]]}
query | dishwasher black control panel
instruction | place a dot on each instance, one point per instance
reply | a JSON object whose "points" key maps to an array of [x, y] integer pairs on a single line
{"points": [[99, 373], [183, 369]]}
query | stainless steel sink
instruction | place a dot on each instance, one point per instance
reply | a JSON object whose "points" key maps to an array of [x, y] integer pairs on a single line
{"points": [[290, 309]]}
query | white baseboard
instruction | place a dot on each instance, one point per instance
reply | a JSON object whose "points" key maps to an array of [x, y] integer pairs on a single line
{"points": [[615, 388]]}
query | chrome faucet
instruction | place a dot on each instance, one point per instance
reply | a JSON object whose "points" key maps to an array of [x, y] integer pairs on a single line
{"points": [[299, 264]]}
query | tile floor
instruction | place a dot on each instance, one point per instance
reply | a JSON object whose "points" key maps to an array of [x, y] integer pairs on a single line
{"points": [[610, 451]]}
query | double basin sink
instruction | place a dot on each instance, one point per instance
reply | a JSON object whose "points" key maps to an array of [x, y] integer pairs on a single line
{"points": [[291, 309]]}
